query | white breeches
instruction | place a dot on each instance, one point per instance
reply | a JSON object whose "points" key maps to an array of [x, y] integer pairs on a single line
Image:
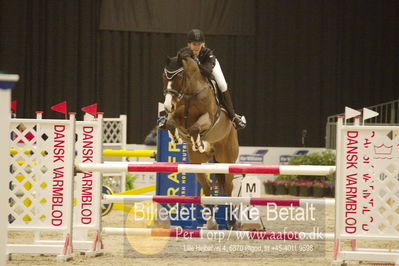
{"points": [[219, 77]]}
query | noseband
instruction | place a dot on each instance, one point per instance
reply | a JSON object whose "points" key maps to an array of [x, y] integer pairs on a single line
{"points": [[169, 76]]}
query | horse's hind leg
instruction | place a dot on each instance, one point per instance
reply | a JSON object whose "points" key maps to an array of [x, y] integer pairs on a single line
{"points": [[226, 151], [197, 157], [205, 183], [226, 182]]}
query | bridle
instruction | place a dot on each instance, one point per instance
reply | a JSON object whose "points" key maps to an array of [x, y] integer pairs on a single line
{"points": [[169, 76], [179, 95]]}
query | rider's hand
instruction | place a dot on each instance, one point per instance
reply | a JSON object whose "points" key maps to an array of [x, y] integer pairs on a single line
{"points": [[185, 52]]}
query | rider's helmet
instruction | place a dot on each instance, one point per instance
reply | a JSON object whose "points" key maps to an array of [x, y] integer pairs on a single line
{"points": [[195, 35]]}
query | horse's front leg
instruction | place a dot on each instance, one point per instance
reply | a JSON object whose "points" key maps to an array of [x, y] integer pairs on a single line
{"points": [[202, 124], [172, 131]]}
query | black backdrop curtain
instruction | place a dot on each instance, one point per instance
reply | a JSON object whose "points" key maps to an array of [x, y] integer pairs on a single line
{"points": [[227, 17], [307, 60]]}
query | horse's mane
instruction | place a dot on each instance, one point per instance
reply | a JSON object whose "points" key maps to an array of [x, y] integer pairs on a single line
{"points": [[172, 64], [185, 58], [188, 53]]}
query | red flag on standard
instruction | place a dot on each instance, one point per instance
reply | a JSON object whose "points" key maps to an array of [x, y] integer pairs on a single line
{"points": [[14, 106], [91, 109], [61, 107]]}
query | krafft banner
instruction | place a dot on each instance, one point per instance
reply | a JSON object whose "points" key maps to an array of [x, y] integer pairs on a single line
{"points": [[181, 184]]}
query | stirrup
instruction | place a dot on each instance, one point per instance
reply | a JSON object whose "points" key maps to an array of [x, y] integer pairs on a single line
{"points": [[239, 122]]}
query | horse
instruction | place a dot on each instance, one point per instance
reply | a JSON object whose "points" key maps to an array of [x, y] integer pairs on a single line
{"points": [[195, 117]]}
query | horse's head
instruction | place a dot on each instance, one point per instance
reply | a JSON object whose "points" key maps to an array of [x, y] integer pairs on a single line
{"points": [[181, 77], [193, 73], [172, 83]]}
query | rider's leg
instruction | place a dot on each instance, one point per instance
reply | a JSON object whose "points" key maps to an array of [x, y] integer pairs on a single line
{"points": [[238, 121]]}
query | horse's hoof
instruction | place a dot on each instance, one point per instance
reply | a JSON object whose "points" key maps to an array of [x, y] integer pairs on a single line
{"points": [[178, 140], [199, 144], [172, 137], [194, 146], [233, 226], [204, 147], [211, 225], [177, 136]]}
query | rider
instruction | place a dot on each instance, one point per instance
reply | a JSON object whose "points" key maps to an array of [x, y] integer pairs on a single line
{"points": [[210, 67]]}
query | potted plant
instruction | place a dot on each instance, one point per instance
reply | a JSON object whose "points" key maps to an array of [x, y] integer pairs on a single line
{"points": [[320, 189], [331, 188], [305, 188], [293, 187], [281, 187], [269, 187]]}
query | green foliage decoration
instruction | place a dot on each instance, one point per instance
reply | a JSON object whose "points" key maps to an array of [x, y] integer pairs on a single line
{"points": [[326, 157]]}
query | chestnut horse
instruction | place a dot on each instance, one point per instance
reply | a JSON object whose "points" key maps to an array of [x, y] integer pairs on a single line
{"points": [[195, 117]]}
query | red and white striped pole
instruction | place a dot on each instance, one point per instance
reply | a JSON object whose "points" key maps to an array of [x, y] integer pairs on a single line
{"points": [[216, 200], [216, 168]]}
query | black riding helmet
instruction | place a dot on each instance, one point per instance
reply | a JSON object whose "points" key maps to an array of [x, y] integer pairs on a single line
{"points": [[195, 35]]}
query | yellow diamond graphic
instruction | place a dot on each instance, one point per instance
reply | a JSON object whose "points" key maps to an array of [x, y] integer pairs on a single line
{"points": [[28, 186], [20, 178], [27, 218], [27, 202]]}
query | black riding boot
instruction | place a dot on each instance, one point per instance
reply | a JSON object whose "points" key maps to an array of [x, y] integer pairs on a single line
{"points": [[238, 121]]}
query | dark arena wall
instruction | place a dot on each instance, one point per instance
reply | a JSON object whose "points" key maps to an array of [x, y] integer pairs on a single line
{"points": [[289, 64]]}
